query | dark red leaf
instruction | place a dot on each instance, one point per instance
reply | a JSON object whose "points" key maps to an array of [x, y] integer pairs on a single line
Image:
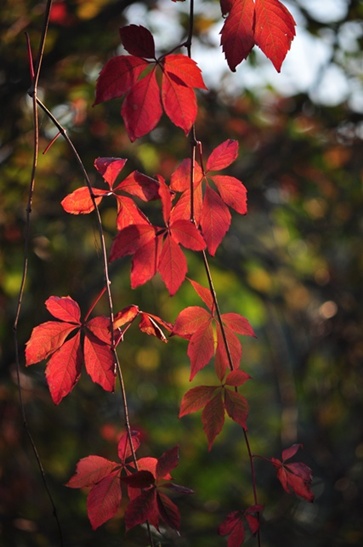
{"points": [[196, 398], [104, 499], [213, 417], [237, 36], [109, 168], [236, 407], [91, 470], [124, 448], [137, 40], [167, 462]]}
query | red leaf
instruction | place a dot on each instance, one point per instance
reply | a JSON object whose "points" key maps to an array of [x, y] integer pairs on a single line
{"points": [[140, 185], [168, 511], [140, 479], [236, 407], [130, 239], [185, 233], [117, 76], [235, 349], [237, 378], [141, 109], [274, 30], [237, 36], [64, 368], [137, 40], [190, 320], [109, 168], [141, 509], [91, 470], [45, 339], [294, 477], [100, 327], [179, 103], [149, 326], [195, 399], [223, 155], [213, 417], [185, 69], [233, 527], [167, 462], [64, 308], [124, 448], [80, 202], [201, 348], [215, 220], [204, 293], [128, 213], [172, 265], [145, 263], [104, 499], [99, 362], [238, 324], [232, 191]]}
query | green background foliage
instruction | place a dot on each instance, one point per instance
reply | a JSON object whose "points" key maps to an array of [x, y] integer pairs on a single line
{"points": [[293, 266]]}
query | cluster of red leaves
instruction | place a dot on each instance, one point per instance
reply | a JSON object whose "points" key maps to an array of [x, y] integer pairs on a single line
{"points": [[294, 477], [265, 23], [70, 342], [148, 484], [135, 77], [234, 525], [211, 211]]}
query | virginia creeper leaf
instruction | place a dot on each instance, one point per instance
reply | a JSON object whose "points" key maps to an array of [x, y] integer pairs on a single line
{"points": [[137, 40], [294, 477]]}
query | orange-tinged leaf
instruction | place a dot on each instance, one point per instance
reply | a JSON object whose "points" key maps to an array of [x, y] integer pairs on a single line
{"points": [[64, 368], [139, 185], [274, 30], [204, 293], [45, 339], [64, 308], [128, 213], [141, 109], [237, 323], [126, 315], [80, 202]]}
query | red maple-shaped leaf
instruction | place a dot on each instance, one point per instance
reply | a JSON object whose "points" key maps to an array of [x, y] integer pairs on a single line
{"points": [[149, 490], [134, 77], [156, 249], [103, 477], [215, 400], [294, 477], [210, 206], [149, 323], [201, 327], [62, 341], [135, 184], [234, 525], [265, 23]]}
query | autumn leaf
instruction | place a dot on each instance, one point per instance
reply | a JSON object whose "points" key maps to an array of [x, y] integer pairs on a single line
{"points": [[67, 350], [215, 401], [149, 323], [103, 477], [265, 23], [294, 477], [234, 525], [136, 78], [135, 184], [148, 489], [202, 329], [210, 204], [157, 249]]}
